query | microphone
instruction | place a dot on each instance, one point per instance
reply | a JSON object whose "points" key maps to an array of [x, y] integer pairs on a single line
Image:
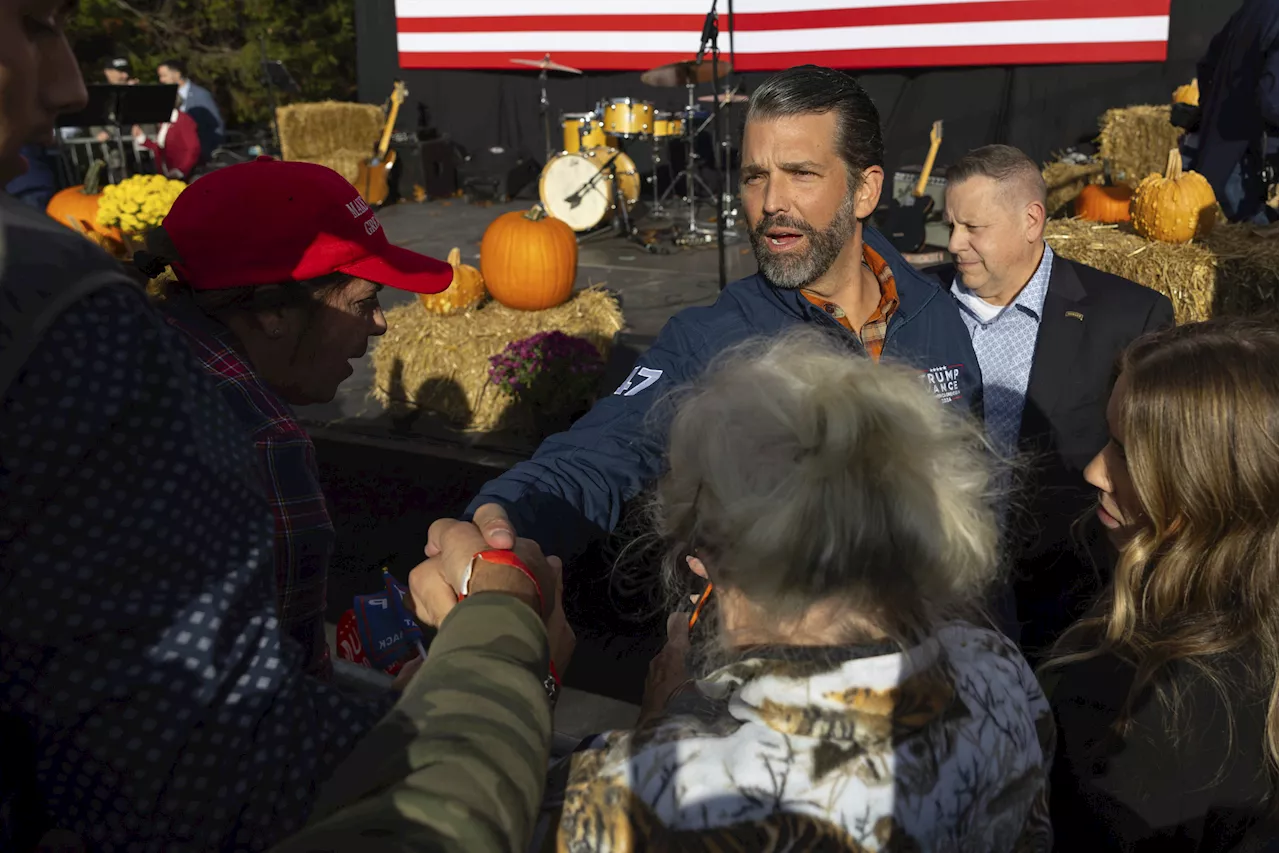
{"points": [[708, 34], [575, 199]]}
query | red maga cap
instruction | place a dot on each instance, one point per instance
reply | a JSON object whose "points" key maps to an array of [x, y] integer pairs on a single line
{"points": [[267, 222]]}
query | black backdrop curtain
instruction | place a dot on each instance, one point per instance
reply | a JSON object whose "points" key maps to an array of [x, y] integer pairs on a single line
{"points": [[1040, 109]]}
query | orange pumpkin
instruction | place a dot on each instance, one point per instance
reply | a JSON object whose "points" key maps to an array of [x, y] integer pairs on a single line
{"points": [[77, 207], [1188, 93], [1174, 207], [1098, 203], [465, 291], [529, 260]]}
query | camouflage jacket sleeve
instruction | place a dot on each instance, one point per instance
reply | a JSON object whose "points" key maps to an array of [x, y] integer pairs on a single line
{"points": [[460, 762]]}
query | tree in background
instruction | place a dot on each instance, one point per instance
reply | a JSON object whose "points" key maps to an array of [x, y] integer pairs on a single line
{"points": [[218, 39]]}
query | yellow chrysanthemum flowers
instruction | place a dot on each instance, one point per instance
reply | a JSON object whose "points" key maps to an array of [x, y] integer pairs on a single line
{"points": [[139, 203]]}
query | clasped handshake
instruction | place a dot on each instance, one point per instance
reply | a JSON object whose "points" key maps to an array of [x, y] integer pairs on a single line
{"points": [[484, 555]]}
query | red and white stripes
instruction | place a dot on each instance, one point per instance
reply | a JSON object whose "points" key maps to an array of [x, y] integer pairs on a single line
{"points": [[773, 34]]}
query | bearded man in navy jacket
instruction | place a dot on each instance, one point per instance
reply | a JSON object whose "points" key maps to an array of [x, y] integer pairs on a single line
{"points": [[812, 172]]}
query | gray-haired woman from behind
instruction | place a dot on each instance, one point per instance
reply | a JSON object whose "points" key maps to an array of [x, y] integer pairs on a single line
{"points": [[840, 699]]}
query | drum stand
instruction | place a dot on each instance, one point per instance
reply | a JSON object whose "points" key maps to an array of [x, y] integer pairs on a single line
{"points": [[693, 233], [727, 208], [544, 107], [656, 210]]}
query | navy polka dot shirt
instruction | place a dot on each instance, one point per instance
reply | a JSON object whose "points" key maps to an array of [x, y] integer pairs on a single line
{"points": [[139, 645]]}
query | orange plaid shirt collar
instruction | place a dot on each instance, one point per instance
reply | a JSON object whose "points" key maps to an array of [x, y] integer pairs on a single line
{"points": [[873, 330]]}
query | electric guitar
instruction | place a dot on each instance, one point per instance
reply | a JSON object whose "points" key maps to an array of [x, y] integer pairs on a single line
{"points": [[904, 222], [372, 176]]}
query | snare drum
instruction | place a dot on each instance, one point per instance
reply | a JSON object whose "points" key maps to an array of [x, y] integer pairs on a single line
{"points": [[627, 117], [565, 176], [667, 124], [583, 131]]}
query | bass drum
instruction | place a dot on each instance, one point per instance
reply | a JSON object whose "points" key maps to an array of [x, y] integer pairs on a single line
{"points": [[564, 192]]}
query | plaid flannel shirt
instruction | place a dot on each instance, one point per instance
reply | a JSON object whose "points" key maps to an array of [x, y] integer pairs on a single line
{"points": [[872, 332], [304, 533]]}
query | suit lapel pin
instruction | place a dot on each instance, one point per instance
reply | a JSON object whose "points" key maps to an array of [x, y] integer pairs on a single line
{"points": [[1076, 315]]}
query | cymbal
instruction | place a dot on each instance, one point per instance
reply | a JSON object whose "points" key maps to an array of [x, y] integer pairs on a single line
{"points": [[546, 64], [725, 98], [682, 74]]}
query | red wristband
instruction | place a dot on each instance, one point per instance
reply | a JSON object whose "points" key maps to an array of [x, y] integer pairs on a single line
{"points": [[504, 558]]}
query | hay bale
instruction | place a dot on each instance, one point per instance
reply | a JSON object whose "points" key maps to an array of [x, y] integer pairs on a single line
{"points": [[1184, 272], [345, 163], [1234, 271], [441, 364], [1136, 141], [1064, 182], [1250, 268], [310, 131]]}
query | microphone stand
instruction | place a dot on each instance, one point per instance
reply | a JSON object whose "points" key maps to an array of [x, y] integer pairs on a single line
{"points": [[619, 201], [733, 54], [710, 38], [575, 198], [726, 144]]}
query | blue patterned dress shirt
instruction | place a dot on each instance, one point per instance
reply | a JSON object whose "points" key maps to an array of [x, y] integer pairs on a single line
{"points": [[1005, 346]]}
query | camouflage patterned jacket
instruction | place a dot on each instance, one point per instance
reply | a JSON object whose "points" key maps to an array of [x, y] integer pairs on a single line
{"points": [[460, 762], [944, 746]]}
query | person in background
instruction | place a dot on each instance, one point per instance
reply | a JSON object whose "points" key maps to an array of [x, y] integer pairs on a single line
{"points": [[460, 763], [119, 72], [148, 700], [1047, 332], [197, 102], [1165, 697], [1236, 140], [273, 273], [176, 145], [840, 699]]}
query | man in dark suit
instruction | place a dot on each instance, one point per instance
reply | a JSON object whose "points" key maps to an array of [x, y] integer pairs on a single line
{"points": [[197, 102], [1047, 332]]}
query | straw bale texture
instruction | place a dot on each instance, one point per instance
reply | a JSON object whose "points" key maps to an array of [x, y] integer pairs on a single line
{"points": [[1064, 181], [1136, 141], [1250, 269], [345, 163], [311, 131], [441, 364], [1232, 271]]}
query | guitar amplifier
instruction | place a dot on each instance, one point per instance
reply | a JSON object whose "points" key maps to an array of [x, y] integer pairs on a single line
{"points": [[439, 161], [904, 184], [409, 173], [496, 174]]}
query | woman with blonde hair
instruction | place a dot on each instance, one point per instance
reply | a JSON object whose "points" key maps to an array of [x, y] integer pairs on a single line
{"points": [[1166, 698], [838, 699]]}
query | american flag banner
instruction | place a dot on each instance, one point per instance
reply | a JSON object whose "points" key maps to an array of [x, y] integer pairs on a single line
{"points": [[633, 35]]}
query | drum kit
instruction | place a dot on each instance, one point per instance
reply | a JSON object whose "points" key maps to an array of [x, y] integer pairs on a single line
{"points": [[592, 181]]}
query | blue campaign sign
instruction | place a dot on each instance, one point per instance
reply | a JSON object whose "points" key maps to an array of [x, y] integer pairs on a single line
{"points": [[387, 631]]}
